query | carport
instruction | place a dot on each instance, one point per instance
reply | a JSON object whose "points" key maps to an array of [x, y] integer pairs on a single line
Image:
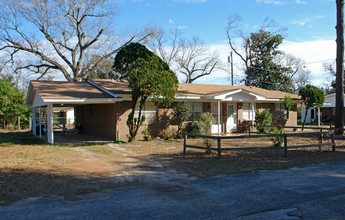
{"points": [[43, 96]]}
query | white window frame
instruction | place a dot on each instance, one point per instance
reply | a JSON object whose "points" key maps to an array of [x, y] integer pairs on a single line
{"points": [[150, 112], [196, 109], [247, 111], [214, 112]]}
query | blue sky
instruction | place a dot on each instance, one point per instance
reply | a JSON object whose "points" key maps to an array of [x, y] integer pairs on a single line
{"points": [[310, 24], [208, 18]]}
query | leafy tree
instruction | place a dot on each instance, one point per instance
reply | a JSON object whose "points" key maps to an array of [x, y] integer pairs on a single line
{"points": [[311, 97], [147, 76], [181, 113], [260, 51], [59, 36], [288, 104], [263, 121], [12, 104]]}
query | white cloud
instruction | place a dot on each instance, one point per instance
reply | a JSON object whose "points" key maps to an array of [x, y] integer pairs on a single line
{"points": [[314, 53], [304, 21], [273, 2], [300, 2], [191, 1], [171, 21], [281, 2], [180, 27]]}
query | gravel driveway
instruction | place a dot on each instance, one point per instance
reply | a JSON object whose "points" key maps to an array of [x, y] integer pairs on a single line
{"points": [[310, 192]]}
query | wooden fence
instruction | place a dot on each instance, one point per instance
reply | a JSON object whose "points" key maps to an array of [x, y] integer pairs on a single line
{"points": [[219, 148]]}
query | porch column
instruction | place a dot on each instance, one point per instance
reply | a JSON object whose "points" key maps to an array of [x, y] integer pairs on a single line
{"points": [[253, 118], [33, 125], [40, 120], [219, 118], [50, 123], [318, 117]]}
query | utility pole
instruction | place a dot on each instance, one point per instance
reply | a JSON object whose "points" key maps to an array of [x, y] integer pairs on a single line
{"points": [[339, 100], [230, 60]]}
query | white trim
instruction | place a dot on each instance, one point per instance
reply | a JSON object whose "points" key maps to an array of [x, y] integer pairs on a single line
{"points": [[50, 123], [188, 97], [87, 100], [40, 121], [226, 95], [101, 88], [34, 129], [219, 118]]}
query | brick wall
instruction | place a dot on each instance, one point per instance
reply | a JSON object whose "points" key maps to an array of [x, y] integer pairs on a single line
{"points": [[96, 119]]}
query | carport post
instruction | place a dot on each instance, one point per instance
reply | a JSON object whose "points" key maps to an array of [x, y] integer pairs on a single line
{"points": [[50, 124], [219, 118], [33, 126], [40, 120], [253, 118]]}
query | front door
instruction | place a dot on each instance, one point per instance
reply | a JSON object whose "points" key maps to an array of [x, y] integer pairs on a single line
{"points": [[231, 122]]}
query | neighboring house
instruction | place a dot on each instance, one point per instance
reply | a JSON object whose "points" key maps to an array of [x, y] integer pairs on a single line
{"points": [[328, 108], [102, 106]]}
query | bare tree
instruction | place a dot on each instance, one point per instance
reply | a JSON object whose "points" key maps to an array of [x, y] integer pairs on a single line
{"points": [[166, 44], [61, 34], [195, 60], [299, 73], [190, 58]]}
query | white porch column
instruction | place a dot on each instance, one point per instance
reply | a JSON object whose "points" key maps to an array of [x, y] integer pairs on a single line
{"points": [[318, 117], [253, 118], [34, 121], [40, 120], [219, 118], [50, 123]]}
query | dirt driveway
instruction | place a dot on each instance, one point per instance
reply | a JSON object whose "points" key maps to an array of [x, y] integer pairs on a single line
{"points": [[89, 170]]}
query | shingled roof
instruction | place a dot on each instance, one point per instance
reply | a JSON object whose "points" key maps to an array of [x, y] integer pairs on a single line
{"points": [[108, 90], [198, 90]]}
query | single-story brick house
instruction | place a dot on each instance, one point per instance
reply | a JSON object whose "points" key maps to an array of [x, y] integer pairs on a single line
{"points": [[102, 106]]}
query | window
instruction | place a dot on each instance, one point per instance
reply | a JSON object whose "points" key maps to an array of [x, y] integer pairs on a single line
{"points": [[196, 110], [214, 112], [149, 111], [281, 113], [248, 113]]}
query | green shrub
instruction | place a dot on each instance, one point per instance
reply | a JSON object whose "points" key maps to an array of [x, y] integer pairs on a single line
{"points": [[278, 141], [181, 113], [263, 121], [203, 126]]}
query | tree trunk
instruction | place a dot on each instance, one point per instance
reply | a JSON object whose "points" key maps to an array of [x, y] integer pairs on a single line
{"points": [[339, 104], [305, 118]]}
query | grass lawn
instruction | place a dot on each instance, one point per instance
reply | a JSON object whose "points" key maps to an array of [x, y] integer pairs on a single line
{"points": [[30, 168], [38, 169]]}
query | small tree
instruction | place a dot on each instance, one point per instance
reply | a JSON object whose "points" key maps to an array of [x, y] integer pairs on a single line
{"points": [[288, 104], [311, 97], [263, 121], [181, 113], [147, 76]]}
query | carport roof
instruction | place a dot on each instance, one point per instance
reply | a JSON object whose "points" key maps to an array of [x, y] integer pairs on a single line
{"points": [[59, 92]]}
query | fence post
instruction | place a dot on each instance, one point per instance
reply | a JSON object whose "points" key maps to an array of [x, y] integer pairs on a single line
{"points": [[285, 145], [184, 143], [333, 143], [218, 148], [320, 139]]}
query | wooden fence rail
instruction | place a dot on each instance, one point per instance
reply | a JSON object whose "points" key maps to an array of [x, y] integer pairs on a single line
{"points": [[219, 148]]}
